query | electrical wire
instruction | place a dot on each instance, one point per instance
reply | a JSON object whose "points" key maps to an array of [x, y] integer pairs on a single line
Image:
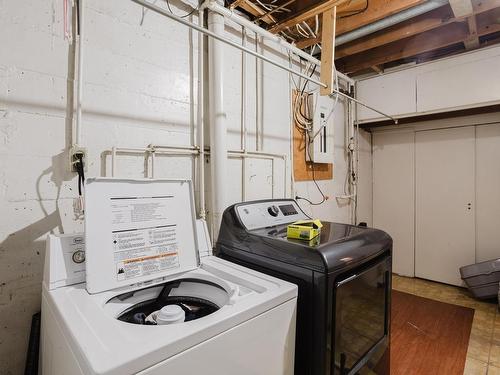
{"points": [[80, 169], [356, 13], [324, 198], [185, 15]]}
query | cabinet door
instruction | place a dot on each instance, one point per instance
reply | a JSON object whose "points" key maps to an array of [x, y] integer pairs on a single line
{"points": [[444, 181], [487, 192], [393, 195]]}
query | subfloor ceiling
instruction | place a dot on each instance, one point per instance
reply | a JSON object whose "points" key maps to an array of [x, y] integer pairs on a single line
{"points": [[375, 35]]}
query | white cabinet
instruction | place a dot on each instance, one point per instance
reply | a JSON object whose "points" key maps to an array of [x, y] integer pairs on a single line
{"points": [[487, 192], [393, 203], [423, 182], [448, 84], [444, 203]]}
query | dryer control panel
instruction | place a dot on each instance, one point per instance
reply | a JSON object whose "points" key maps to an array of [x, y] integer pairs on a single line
{"points": [[262, 214]]}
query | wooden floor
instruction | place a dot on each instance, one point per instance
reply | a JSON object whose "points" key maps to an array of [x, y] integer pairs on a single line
{"points": [[428, 337], [483, 353]]}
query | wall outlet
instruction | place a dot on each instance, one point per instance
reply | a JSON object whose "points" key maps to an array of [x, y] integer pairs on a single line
{"points": [[74, 155]]}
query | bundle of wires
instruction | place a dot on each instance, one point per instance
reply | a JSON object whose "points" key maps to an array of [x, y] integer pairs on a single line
{"points": [[80, 169]]}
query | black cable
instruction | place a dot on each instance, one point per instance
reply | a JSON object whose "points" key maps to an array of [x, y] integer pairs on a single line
{"points": [[356, 13], [184, 16], [324, 198], [80, 169], [305, 84]]}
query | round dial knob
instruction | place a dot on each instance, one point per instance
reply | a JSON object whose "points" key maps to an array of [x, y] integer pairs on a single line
{"points": [[273, 210], [79, 256]]}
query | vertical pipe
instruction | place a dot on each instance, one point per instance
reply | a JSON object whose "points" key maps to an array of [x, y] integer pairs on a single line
{"points": [[272, 178], [201, 129], [77, 138], [258, 95], [243, 113], [243, 91], [218, 133], [113, 161], [153, 157]]}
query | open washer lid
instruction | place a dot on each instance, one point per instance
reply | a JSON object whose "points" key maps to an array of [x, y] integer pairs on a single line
{"points": [[137, 230]]}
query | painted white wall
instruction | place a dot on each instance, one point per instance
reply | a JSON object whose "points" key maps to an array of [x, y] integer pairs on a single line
{"points": [[394, 185], [140, 88], [452, 83]]}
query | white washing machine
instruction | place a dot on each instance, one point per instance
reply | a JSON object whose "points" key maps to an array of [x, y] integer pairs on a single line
{"points": [[141, 293]]}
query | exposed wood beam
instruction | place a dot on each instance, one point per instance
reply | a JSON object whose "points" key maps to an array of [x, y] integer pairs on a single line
{"points": [[274, 10], [304, 43], [309, 13], [253, 9], [328, 50], [473, 40], [461, 8], [377, 9], [417, 25], [425, 22], [488, 23], [428, 41], [377, 69]]}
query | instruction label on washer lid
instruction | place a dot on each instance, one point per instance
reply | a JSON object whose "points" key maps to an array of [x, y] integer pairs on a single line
{"points": [[144, 242]]}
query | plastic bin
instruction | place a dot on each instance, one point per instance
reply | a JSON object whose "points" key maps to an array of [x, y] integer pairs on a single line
{"points": [[482, 278]]}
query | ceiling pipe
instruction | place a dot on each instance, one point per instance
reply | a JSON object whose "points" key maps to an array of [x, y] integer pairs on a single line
{"points": [[389, 21], [249, 25]]}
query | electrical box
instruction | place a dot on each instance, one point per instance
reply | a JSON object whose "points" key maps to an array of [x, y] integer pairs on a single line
{"points": [[320, 140]]}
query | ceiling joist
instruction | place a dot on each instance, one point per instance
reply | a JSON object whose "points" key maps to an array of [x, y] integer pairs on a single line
{"points": [[313, 11], [428, 21], [448, 35]]}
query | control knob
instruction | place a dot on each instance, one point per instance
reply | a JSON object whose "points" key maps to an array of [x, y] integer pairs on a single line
{"points": [[273, 211]]}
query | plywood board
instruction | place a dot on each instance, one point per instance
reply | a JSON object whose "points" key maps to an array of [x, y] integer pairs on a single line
{"points": [[302, 170]]}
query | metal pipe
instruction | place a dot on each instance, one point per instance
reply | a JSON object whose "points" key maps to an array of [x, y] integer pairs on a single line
{"points": [[243, 91], [231, 15], [389, 21], [167, 14], [152, 153], [218, 130], [113, 161], [201, 127], [77, 136], [335, 91], [161, 11], [258, 96]]}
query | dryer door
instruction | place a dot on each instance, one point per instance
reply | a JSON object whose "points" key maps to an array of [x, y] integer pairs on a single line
{"points": [[362, 308]]}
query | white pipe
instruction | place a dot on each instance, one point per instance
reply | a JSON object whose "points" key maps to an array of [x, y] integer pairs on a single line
{"points": [[218, 37], [218, 131], [258, 95], [243, 112], [113, 161], [153, 157], [243, 90], [77, 136], [201, 128], [231, 15]]}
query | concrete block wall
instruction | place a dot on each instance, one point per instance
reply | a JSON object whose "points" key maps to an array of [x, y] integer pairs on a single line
{"points": [[140, 88]]}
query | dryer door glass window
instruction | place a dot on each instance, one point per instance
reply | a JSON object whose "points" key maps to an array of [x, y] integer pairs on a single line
{"points": [[361, 317]]}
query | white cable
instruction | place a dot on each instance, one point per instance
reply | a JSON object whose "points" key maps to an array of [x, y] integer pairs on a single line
{"points": [[306, 25], [301, 31]]}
